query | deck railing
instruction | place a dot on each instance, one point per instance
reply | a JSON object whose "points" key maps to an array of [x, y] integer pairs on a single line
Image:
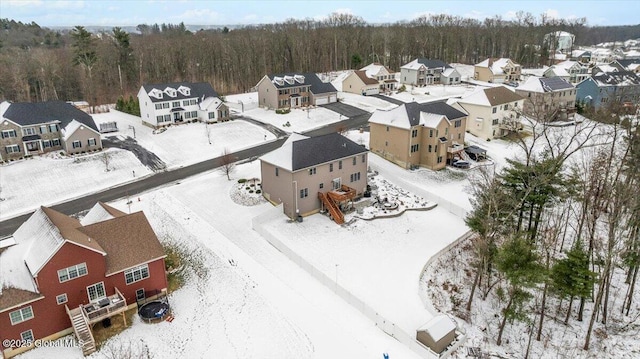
{"points": [[105, 308]]}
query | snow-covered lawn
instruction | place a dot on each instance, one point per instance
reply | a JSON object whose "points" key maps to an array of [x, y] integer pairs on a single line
{"points": [[432, 93], [298, 120], [187, 143], [50, 179], [367, 103]]}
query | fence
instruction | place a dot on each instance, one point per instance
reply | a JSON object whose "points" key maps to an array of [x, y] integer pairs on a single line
{"points": [[385, 325]]}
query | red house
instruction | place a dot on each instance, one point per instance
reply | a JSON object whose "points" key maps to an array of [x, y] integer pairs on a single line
{"points": [[60, 275]]}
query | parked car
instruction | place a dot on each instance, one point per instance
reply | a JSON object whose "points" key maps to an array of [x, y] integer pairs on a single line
{"points": [[461, 164]]}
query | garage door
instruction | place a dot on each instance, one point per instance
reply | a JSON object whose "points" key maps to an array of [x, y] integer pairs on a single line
{"points": [[333, 98], [322, 100]]}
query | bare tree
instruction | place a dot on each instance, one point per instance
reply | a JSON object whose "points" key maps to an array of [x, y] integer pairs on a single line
{"points": [[207, 131], [227, 163], [106, 159]]}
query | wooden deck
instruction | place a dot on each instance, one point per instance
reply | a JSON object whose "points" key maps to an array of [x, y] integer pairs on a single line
{"points": [[105, 308], [345, 193]]}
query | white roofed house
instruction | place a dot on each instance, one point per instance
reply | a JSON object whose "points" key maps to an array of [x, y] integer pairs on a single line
{"points": [[493, 112], [497, 70], [178, 102], [308, 174], [421, 72], [572, 71], [28, 129], [548, 99], [292, 90], [384, 75]]}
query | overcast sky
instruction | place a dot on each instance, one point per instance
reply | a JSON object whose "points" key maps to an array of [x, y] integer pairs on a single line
{"points": [[200, 12]]}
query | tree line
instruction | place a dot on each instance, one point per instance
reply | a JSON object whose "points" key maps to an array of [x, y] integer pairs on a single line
{"points": [[557, 230], [40, 64]]}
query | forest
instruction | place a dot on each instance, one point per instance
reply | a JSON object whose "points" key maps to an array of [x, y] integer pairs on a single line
{"points": [[40, 64]]}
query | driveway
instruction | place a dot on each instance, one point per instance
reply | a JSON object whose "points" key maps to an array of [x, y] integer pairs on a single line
{"points": [[271, 128], [146, 157], [345, 110], [388, 99]]}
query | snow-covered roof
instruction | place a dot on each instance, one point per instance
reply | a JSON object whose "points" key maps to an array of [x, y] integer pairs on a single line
{"points": [[71, 127], [428, 63], [497, 65], [179, 91], [210, 103], [375, 69], [493, 96], [100, 212], [281, 157], [545, 84], [438, 327], [432, 120], [607, 68], [410, 114], [447, 72]]}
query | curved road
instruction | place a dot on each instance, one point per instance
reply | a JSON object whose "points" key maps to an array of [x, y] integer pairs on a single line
{"points": [[7, 227]]}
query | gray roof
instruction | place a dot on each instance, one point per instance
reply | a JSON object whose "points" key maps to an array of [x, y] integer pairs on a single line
{"points": [[321, 149], [197, 90], [438, 108], [617, 78], [433, 63], [310, 79], [555, 83], [34, 113]]}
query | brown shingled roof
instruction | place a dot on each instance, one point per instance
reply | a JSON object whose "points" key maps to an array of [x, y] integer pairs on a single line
{"points": [[366, 80], [112, 211], [128, 240], [499, 95], [68, 228], [12, 297]]}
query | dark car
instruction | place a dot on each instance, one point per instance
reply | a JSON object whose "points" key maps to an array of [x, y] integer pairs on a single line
{"points": [[461, 164]]}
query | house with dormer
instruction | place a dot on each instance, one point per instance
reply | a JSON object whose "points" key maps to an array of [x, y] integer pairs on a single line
{"points": [[606, 87], [548, 98], [33, 128], [60, 275], [385, 76], [422, 72], [572, 71], [310, 174], [418, 134], [293, 90], [492, 112], [179, 102], [498, 71]]}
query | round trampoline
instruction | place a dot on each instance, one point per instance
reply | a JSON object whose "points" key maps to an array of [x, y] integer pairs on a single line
{"points": [[154, 311]]}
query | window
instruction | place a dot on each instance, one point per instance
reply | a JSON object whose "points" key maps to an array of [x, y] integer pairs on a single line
{"points": [[136, 274], [91, 142], [72, 272], [212, 115], [29, 131], [158, 106], [76, 144], [61, 299], [387, 128], [312, 171], [330, 167], [159, 118], [458, 123], [12, 149], [55, 142], [304, 192], [430, 133], [167, 118], [96, 292], [276, 171], [27, 336], [53, 128], [43, 129], [192, 101], [493, 110], [354, 177], [414, 148], [439, 159], [185, 102], [8, 133], [430, 148], [339, 165], [494, 122], [46, 143], [175, 104], [354, 161], [140, 294], [364, 157], [435, 148], [165, 105], [321, 185], [21, 315], [414, 133]]}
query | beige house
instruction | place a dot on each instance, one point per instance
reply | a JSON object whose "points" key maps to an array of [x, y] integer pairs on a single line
{"points": [[28, 129], [429, 134], [497, 71], [572, 71], [493, 112], [358, 83], [385, 76], [548, 98], [309, 174], [294, 90]]}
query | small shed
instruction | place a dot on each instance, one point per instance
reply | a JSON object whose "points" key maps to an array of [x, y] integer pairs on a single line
{"points": [[437, 333]]}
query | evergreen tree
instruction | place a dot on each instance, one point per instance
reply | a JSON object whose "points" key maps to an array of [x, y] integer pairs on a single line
{"points": [[571, 276]]}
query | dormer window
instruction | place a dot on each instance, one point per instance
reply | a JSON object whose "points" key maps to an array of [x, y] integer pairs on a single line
{"points": [[156, 93], [170, 91], [289, 80], [299, 79], [184, 90], [278, 80]]}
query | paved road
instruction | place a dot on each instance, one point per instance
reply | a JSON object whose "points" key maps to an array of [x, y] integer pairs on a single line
{"points": [[7, 227], [388, 99], [344, 109], [145, 156]]}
